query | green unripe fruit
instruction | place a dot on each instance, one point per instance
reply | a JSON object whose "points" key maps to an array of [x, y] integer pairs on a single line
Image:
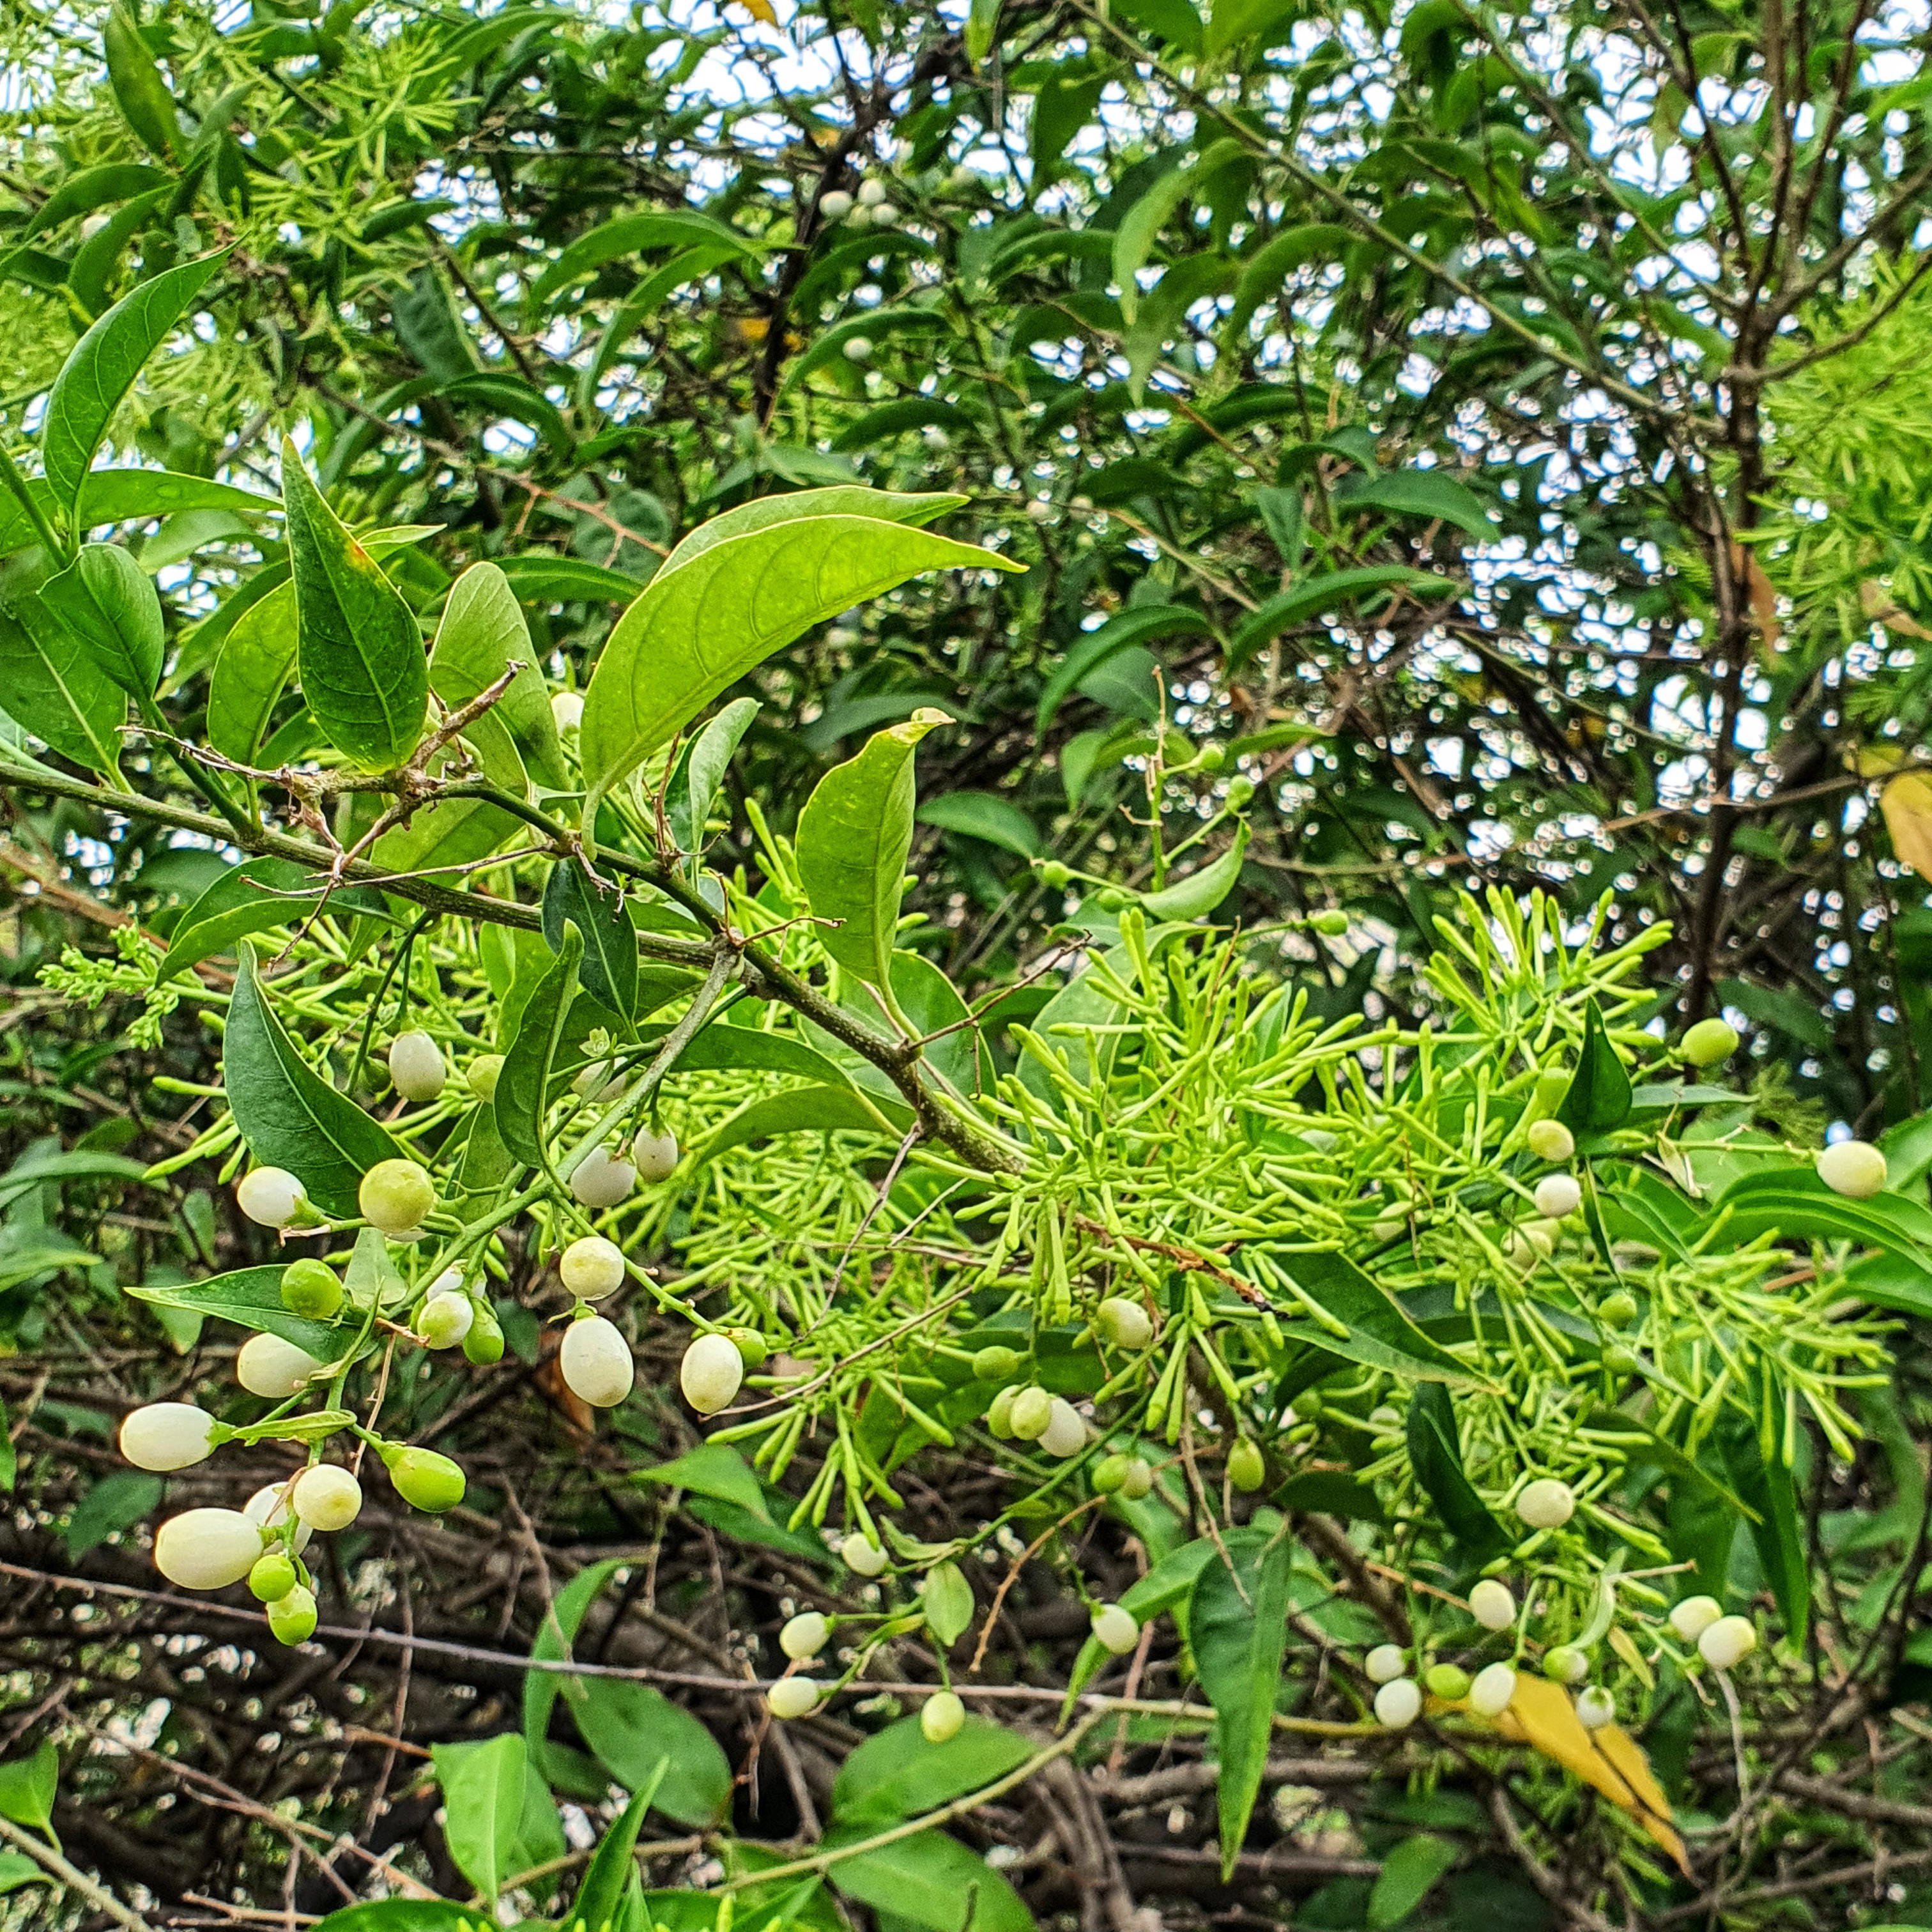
{"points": [[1137, 1480], [1123, 1324], [1621, 1359], [1211, 757], [999, 1413], [751, 1346], [1055, 877], [446, 1318], [1708, 1042], [1330, 924], [423, 1478], [1552, 1084], [1618, 1310], [940, 1721], [1308, 1406], [484, 1344], [416, 1067], [272, 1578], [1854, 1168], [1246, 1468], [1110, 1473], [310, 1288], [396, 1196], [1112, 899], [1240, 793], [1551, 1140], [1565, 1664], [996, 1364], [1031, 1412], [292, 1618], [1448, 1681], [481, 1075]]}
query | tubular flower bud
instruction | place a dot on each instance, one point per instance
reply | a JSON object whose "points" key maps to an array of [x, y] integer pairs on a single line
{"points": [[167, 1436], [267, 1365], [596, 1362], [206, 1549], [327, 1497]]}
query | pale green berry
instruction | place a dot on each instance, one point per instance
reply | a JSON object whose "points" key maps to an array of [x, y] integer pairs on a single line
{"points": [[1565, 1663], [999, 1413], [396, 1196], [655, 1155], [266, 1365], [859, 348], [1708, 1042], [1618, 1310], [1727, 1642], [939, 1720], [166, 1435], [601, 1179], [1492, 1689], [566, 711], [1247, 1469], [1032, 1411], [311, 1288], [268, 1508], [1547, 1504], [423, 1478], [292, 1617], [1693, 1616], [596, 1362], [872, 193], [750, 1345], [272, 1578], [207, 1549], [1854, 1168], [1551, 1140], [1449, 1682], [1492, 1606], [1123, 1324], [1109, 1473], [1384, 1663], [835, 205], [484, 1344], [415, 1067], [445, 1320], [592, 1267], [861, 1556], [793, 1697], [710, 1373], [1595, 1707], [482, 1074], [1115, 1630], [1399, 1703], [1558, 1195], [326, 1497], [1137, 1480], [996, 1364], [805, 1636], [1065, 1434]]}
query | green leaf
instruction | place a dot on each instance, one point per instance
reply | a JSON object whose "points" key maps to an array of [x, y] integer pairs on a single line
{"points": [[1134, 239], [258, 895], [753, 1049], [1792, 1204], [483, 1806], [713, 1469], [1318, 594], [913, 509], [91, 188], [99, 371], [931, 1881], [948, 1602], [607, 970], [1093, 648], [983, 21], [17, 1869], [702, 624], [251, 1297], [541, 1688], [853, 836], [1230, 22], [627, 234], [1765, 1485], [700, 772], [256, 659], [109, 602], [53, 686], [482, 633], [1409, 1873], [1264, 272], [1436, 1460], [1237, 1625], [985, 815], [363, 672], [523, 1088], [288, 1113], [1416, 493], [407, 1914], [127, 496], [1380, 1333], [27, 1787], [799, 1110], [1200, 892], [896, 1774], [542, 578], [1599, 1095], [599, 1903], [641, 1738], [1167, 1586], [115, 1502], [1175, 21], [874, 325]]}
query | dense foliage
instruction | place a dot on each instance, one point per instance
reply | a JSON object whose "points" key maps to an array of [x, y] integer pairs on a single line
{"points": [[963, 964]]}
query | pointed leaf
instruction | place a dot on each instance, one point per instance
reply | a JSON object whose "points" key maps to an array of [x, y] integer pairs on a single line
{"points": [[256, 661], [1599, 1096], [361, 656], [643, 1740], [51, 684], [897, 1774], [799, 1110], [257, 896], [27, 1787], [607, 970], [523, 1087], [483, 1806], [853, 836], [931, 1882], [99, 371], [288, 1113], [700, 627], [109, 602], [1436, 1459], [482, 634], [1200, 892], [1409, 1873], [599, 1901], [251, 1298]]}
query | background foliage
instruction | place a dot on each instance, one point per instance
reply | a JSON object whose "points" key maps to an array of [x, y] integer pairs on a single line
{"points": [[1485, 445]]}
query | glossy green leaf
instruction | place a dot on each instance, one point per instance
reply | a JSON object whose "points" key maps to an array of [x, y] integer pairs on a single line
{"points": [[983, 815], [1410, 1872], [27, 1787], [1599, 1096], [54, 686], [521, 1098], [1327, 593], [40, 1167], [17, 1869], [116, 1502], [699, 772], [1197, 895], [1134, 239], [288, 1113], [91, 188], [853, 836], [702, 624], [541, 1688], [99, 371], [482, 1784], [129, 495], [109, 602], [799, 1110], [754, 1050], [1117, 633], [983, 21], [626, 236], [639, 1735], [608, 969], [408, 1915], [912, 508], [364, 674], [611, 1876], [1175, 21], [1380, 1333], [1237, 1625], [930, 1881], [713, 1469], [1264, 272], [256, 659], [897, 1774], [1429, 494], [251, 1298], [545, 578], [482, 633], [1776, 1527], [259, 895], [1435, 1458]]}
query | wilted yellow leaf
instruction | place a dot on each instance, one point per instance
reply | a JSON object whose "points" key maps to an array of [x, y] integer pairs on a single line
{"points": [[760, 9], [1654, 1809], [1906, 803]]}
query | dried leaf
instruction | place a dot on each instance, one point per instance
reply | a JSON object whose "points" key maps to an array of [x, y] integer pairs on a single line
{"points": [[760, 9], [1906, 803], [1654, 1813]]}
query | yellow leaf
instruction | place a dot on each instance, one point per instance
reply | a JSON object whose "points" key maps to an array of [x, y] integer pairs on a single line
{"points": [[1625, 1644], [760, 9], [1654, 1813], [1906, 803]]}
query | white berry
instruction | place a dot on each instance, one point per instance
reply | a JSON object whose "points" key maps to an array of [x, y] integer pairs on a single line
{"points": [[269, 1509], [1595, 1707], [793, 1697], [1383, 1664], [858, 348], [872, 193], [655, 1155], [1492, 1606], [445, 1319], [596, 1361], [206, 1549], [805, 1636], [710, 1373], [266, 1365], [1728, 1642], [272, 1196], [326, 1497], [1558, 1194], [835, 206], [1123, 1324], [1115, 1630], [566, 710], [1065, 1434], [1490, 1693], [599, 1180], [861, 1556], [1551, 1140], [1547, 1504], [592, 1267], [416, 1067], [1399, 1703], [1852, 1168], [1694, 1616], [167, 1436], [940, 1720]]}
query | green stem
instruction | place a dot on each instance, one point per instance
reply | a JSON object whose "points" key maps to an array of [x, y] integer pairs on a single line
{"points": [[10, 474]]}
